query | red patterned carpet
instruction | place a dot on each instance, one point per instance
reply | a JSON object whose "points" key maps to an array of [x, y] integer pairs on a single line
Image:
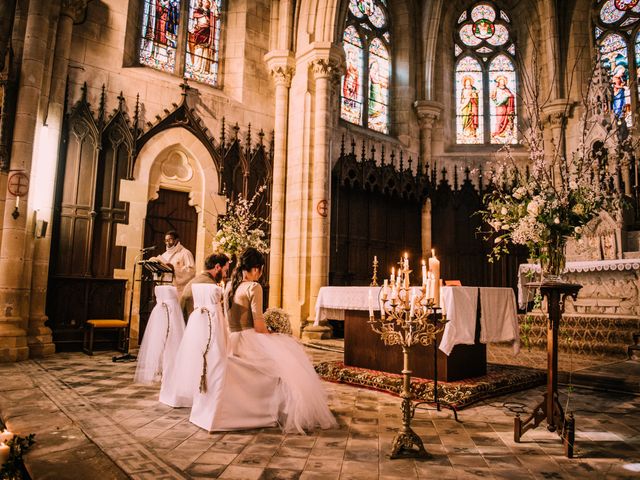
{"points": [[499, 380]]}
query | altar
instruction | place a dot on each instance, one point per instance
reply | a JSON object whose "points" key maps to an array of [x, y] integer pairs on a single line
{"points": [[461, 338]]}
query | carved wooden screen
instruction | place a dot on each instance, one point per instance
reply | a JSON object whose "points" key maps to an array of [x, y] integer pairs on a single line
{"points": [[375, 211], [96, 157]]}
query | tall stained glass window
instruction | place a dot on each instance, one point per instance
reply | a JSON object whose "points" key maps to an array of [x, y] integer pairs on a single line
{"points": [[485, 76], [617, 34], [198, 39], [364, 96]]}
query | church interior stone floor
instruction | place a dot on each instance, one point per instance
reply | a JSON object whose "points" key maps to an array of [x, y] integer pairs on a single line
{"points": [[91, 421]]}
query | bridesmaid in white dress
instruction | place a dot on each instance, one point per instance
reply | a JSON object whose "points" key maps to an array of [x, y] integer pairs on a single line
{"points": [[301, 395]]}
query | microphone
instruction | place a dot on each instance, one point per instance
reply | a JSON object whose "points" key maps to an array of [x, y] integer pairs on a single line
{"points": [[148, 249]]}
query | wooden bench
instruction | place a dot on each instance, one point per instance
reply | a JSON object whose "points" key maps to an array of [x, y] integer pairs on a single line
{"points": [[104, 324]]}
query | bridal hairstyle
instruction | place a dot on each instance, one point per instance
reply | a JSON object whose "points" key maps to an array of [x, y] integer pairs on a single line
{"points": [[249, 259]]}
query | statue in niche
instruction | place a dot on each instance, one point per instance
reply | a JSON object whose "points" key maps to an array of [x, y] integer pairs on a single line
{"points": [[628, 294]]}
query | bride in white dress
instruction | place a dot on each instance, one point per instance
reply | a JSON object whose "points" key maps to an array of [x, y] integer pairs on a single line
{"points": [[302, 397]]}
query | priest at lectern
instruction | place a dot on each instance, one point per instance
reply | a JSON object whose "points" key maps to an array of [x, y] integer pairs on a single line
{"points": [[179, 259]]}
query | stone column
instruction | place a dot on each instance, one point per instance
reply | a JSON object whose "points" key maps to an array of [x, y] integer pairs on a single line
{"points": [[555, 115], [281, 65], [14, 286], [43, 173], [323, 70], [428, 112]]}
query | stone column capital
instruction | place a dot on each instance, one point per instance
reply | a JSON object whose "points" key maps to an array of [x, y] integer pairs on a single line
{"points": [[427, 112], [555, 113], [75, 9], [328, 68], [281, 64]]}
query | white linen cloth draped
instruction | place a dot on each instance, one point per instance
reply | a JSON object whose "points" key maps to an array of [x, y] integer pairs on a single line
{"points": [[161, 338], [333, 301], [499, 317], [460, 305]]}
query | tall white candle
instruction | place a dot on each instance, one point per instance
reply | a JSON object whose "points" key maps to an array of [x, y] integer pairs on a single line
{"points": [[4, 453], [393, 274], [424, 273], [413, 303], [370, 304], [434, 269]]}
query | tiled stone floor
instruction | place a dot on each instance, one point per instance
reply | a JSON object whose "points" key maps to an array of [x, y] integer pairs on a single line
{"points": [[91, 422]]}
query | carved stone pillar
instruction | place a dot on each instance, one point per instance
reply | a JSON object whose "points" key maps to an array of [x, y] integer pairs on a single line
{"points": [[14, 269], [555, 115], [428, 112], [281, 65], [44, 167], [323, 71]]}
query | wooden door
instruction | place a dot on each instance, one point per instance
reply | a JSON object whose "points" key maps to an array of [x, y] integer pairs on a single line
{"points": [[170, 211]]}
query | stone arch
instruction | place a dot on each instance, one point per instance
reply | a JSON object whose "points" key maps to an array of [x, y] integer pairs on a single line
{"points": [[158, 166]]}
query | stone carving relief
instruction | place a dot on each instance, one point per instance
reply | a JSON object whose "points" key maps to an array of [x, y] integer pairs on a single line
{"points": [[610, 293], [601, 240], [176, 166]]}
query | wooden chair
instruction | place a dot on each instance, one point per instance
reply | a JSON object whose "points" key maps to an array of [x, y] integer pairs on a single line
{"points": [[103, 324]]}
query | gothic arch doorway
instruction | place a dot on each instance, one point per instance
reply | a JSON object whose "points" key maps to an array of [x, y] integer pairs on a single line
{"points": [[169, 211]]}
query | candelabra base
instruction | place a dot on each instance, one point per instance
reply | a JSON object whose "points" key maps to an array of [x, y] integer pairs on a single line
{"points": [[408, 445]]}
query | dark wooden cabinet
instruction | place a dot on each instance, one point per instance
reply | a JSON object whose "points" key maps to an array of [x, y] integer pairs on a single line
{"points": [[74, 300]]}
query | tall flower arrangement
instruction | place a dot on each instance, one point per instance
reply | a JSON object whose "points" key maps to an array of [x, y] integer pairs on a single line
{"points": [[557, 194], [241, 227]]}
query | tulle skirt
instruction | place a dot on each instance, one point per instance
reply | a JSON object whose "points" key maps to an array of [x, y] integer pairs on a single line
{"points": [[160, 343], [303, 399]]}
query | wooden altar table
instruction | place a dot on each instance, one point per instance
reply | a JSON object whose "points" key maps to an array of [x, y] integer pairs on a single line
{"points": [[363, 348]]}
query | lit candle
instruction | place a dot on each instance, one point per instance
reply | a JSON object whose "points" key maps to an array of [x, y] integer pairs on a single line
{"points": [[424, 273], [4, 453], [375, 259], [406, 261], [17, 201], [434, 268], [393, 274], [385, 289], [382, 315], [5, 436], [370, 305]]}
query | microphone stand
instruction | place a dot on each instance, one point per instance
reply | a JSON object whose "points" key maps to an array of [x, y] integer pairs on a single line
{"points": [[127, 357]]}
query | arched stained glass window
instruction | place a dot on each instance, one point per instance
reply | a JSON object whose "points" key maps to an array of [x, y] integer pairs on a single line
{"points": [[364, 97], [485, 76], [160, 22], [163, 34], [617, 34]]}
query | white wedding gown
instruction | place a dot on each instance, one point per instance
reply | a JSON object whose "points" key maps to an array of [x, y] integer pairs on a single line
{"points": [[161, 338]]}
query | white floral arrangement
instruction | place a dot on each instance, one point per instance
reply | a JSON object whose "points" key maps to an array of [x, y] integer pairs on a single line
{"points": [[554, 199], [240, 228], [277, 321]]}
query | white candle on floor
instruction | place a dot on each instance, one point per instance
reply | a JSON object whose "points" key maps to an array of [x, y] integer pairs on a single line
{"points": [[4, 453]]}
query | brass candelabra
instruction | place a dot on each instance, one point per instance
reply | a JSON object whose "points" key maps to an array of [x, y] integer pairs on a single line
{"points": [[374, 278], [408, 317]]}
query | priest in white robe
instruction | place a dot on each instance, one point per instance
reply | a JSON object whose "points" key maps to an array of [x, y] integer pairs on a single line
{"points": [[179, 259]]}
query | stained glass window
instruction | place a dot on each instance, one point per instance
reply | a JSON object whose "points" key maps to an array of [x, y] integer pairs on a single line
{"points": [[364, 96], [617, 34], [160, 22], [485, 77], [203, 41], [163, 34]]}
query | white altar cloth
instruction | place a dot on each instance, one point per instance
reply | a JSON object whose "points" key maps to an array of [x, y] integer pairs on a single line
{"points": [[333, 301], [498, 317], [525, 270]]}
